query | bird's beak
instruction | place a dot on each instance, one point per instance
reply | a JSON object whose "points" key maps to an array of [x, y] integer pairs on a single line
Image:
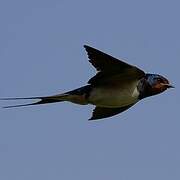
{"points": [[168, 85]]}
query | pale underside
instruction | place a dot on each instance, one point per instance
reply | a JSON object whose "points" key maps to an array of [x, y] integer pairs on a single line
{"points": [[108, 95], [116, 96]]}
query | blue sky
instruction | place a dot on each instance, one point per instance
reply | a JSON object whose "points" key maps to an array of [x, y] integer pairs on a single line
{"points": [[41, 53]]}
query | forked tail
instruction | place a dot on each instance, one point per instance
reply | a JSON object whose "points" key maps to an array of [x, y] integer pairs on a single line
{"points": [[77, 96], [42, 100]]}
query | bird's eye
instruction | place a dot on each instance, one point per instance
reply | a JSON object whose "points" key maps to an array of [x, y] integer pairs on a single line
{"points": [[159, 79]]}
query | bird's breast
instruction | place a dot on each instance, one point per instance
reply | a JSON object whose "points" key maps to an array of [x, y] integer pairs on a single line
{"points": [[115, 96]]}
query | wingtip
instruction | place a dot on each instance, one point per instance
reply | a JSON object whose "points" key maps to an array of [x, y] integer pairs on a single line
{"points": [[85, 46], [94, 118], [91, 118]]}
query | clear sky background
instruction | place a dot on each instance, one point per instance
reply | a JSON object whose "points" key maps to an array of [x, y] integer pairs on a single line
{"points": [[41, 53]]}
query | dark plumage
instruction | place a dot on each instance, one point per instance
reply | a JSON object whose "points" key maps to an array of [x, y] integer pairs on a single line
{"points": [[116, 87]]}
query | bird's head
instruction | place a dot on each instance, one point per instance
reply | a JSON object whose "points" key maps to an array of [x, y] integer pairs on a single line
{"points": [[157, 83]]}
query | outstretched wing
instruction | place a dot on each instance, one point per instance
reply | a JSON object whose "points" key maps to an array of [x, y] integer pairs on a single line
{"points": [[102, 112], [108, 67]]}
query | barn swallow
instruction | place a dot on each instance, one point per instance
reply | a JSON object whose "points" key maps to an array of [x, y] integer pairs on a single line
{"points": [[116, 87]]}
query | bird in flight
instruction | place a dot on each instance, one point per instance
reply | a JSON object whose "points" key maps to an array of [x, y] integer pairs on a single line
{"points": [[115, 88]]}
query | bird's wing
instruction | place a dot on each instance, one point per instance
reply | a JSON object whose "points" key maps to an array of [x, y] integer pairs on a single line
{"points": [[102, 112], [108, 66]]}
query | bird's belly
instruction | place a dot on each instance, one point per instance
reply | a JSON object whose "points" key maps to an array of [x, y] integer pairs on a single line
{"points": [[108, 97]]}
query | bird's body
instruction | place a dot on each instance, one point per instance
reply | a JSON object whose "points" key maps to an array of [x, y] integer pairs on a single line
{"points": [[116, 87], [116, 96]]}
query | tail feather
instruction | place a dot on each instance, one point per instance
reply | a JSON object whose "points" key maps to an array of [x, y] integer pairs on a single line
{"points": [[20, 98], [43, 100], [22, 105], [77, 96]]}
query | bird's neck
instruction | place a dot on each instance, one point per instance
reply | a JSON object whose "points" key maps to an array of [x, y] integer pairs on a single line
{"points": [[144, 88]]}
